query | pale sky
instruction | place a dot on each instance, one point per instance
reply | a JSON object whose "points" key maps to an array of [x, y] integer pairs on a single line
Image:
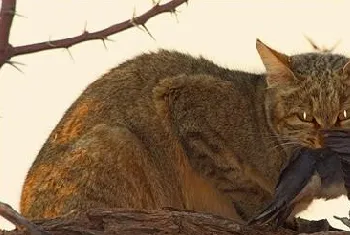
{"points": [[32, 103]]}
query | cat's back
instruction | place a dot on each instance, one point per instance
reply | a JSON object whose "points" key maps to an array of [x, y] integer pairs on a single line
{"points": [[127, 91], [114, 131], [125, 96], [144, 72]]}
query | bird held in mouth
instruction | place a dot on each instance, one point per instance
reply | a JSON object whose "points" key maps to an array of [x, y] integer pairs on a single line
{"points": [[311, 173]]}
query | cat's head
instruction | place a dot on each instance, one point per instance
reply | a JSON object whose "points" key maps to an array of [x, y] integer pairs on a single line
{"points": [[306, 93]]}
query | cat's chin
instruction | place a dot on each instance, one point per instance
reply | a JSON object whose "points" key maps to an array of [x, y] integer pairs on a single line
{"points": [[313, 145]]}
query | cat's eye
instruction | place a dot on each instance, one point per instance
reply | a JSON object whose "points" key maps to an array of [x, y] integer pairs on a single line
{"points": [[305, 117], [343, 115]]}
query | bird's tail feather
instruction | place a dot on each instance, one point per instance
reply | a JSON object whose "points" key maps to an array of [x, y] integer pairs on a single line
{"points": [[268, 214]]}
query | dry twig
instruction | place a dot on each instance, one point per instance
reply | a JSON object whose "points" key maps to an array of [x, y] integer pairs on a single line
{"points": [[7, 51], [321, 49]]}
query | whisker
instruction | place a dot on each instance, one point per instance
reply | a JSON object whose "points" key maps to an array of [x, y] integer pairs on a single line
{"points": [[291, 144]]}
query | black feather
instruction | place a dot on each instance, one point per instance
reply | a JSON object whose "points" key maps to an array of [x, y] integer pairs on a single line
{"points": [[338, 140], [293, 178]]}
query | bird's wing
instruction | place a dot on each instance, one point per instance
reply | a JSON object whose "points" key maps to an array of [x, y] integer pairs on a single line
{"points": [[329, 168], [339, 141], [346, 172], [292, 180]]}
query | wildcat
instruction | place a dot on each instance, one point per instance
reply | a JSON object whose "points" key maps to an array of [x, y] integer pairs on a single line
{"points": [[166, 129]]}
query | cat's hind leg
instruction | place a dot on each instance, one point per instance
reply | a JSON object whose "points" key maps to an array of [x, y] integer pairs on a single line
{"points": [[107, 167]]}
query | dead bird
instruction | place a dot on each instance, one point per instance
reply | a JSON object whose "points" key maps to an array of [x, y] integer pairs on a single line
{"points": [[310, 174], [338, 140]]}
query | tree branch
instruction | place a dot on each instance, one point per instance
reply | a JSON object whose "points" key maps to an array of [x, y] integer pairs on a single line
{"points": [[21, 223], [141, 222], [9, 51], [8, 8]]}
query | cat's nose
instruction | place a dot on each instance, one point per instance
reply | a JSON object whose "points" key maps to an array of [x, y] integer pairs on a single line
{"points": [[326, 122]]}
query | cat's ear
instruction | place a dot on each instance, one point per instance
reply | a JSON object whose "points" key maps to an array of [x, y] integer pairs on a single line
{"points": [[346, 72], [276, 64], [346, 68]]}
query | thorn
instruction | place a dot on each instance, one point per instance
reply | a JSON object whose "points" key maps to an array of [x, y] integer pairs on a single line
{"points": [[108, 39], [156, 2], [134, 13], [335, 46], [17, 14], [143, 28], [132, 20], [19, 63], [22, 16], [13, 64], [134, 23], [321, 49], [84, 30], [314, 46], [174, 12], [186, 2], [70, 54], [148, 32], [50, 43], [85, 25], [104, 43]]}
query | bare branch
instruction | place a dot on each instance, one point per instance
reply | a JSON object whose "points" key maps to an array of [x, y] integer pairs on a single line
{"points": [[9, 51], [145, 222], [8, 9]]}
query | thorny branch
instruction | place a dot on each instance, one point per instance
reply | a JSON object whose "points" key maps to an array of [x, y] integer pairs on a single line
{"points": [[8, 8], [7, 51]]}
